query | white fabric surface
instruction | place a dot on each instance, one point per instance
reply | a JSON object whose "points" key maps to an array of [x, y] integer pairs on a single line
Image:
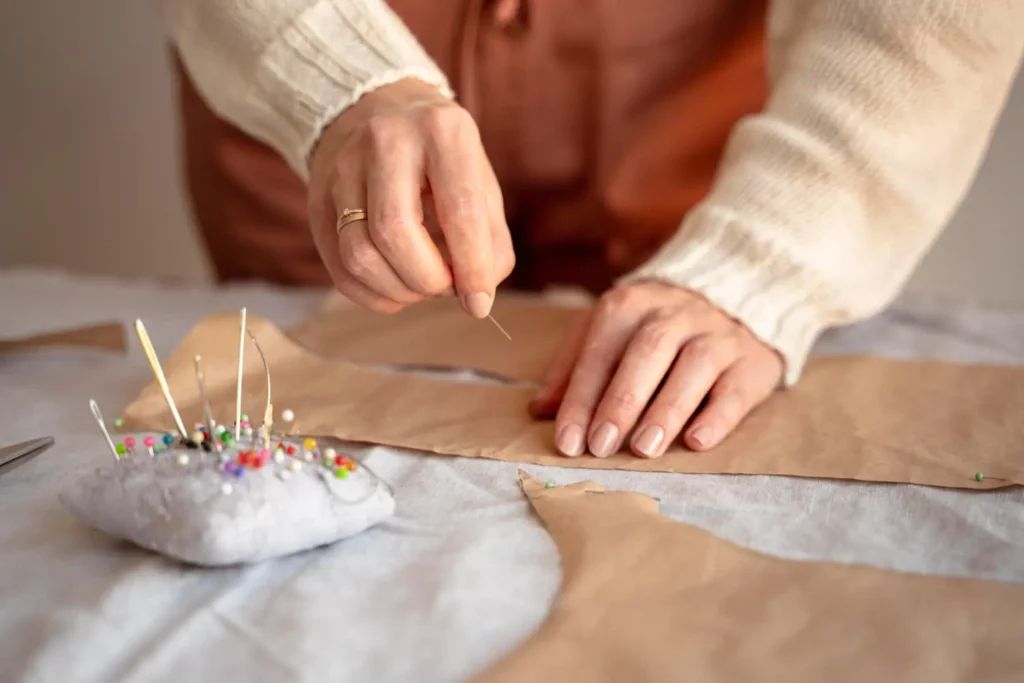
{"points": [[455, 580]]}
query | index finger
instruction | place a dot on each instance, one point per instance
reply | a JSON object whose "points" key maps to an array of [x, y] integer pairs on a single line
{"points": [[454, 159]]}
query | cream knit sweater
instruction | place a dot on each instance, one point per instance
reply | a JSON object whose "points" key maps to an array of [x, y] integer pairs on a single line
{"points": [[880, 113]]}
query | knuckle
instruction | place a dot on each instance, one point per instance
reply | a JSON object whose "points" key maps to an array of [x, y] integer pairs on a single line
{"points": [[505, 262], [464, 206], [380, 130], [620, 299], [434, 284], [656, 336], [447, 120], [703, 352], [391, 224], [621, 403], [359, 257]]}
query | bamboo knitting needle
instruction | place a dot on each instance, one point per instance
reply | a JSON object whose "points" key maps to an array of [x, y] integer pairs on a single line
{"points": [[154, 363]]}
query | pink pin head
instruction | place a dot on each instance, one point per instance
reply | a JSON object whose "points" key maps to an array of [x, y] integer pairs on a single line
{"points": [[149, 442], [129, 441]]}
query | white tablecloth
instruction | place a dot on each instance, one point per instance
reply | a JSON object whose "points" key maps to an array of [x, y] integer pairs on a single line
{"points": [[456, 580]]}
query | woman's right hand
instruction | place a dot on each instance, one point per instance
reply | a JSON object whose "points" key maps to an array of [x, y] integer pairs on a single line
{"points": [[413, 160]]}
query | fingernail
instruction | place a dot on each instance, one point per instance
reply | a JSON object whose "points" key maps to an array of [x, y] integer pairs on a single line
{"points": [[702, 435], [649, 439], [570, 440], [604, 440], [478, 304]]}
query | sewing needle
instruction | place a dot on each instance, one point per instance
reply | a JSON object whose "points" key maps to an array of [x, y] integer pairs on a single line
{"points": [[500, 328]]}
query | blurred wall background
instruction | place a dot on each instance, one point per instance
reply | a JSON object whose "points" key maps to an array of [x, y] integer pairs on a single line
{"points": [[89, 176]]}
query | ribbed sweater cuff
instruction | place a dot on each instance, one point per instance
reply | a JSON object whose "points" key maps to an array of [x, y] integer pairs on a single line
{"points": [[322, 63], [715, 256]]}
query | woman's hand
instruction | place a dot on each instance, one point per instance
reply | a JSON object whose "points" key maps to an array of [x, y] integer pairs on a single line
{"points": [[651, 360], [413, 160]]}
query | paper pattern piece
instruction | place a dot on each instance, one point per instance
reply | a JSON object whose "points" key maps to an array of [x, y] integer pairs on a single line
{"points": [[439, 334], [107, 336], [646, 598], [868, 419]]}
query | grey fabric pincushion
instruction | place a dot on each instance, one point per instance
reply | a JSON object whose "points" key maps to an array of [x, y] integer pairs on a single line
{"points": [[183, 504]]}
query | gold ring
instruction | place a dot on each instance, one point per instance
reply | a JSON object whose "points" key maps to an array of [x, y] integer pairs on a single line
{"points": [[350, 216]]}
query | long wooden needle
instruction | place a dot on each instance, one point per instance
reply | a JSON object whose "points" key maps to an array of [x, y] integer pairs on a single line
{"points": [[154, 362]]}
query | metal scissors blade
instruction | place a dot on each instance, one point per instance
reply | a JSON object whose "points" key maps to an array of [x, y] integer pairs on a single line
{"points": [[20, 453]]}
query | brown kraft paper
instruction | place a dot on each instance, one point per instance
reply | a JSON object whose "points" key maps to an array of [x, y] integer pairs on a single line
{"points": [[866, 419], [438, 333], [105, 336], [646, 598]]}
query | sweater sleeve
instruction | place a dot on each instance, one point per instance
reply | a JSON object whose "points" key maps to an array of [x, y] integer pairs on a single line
{"points": [[879, 115], [281, 70]]}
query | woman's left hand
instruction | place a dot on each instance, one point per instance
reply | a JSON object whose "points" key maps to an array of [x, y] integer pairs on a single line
{"points": [[650, 360]]}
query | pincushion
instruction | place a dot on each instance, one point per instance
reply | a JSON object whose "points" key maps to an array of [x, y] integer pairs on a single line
{"points": [[224, 495], [235, 506]]}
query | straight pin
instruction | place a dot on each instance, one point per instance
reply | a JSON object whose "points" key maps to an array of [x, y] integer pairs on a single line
{"points": [[238, 389], [158, 371], [207, 412], [268, 412], [500, 328], [103, 427], [451, 271]]}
